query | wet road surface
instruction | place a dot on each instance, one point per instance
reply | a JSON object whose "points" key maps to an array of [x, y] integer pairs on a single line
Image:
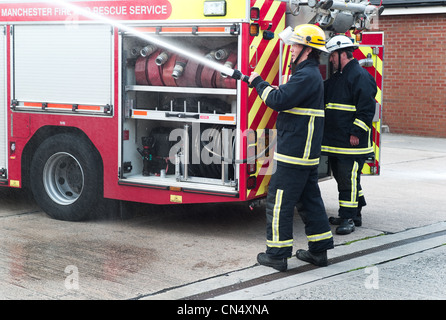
{"points": [[157, 247], [154, 249]]}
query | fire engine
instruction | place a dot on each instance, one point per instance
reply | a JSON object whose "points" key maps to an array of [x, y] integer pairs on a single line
{"points": [[126, 99]]}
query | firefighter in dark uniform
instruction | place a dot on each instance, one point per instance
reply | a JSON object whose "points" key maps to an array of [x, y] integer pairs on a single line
{"points": [[300, 103], [349, 111]]}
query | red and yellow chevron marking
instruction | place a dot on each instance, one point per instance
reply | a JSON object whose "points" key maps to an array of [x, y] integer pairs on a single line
{"points": [[264, 58], [377, 72]]}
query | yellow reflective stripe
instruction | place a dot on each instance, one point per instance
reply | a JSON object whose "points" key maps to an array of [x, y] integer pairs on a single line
{"points": [[320, 237], [361, 124], [348, 204], [276, 215], [354, 178], [295, 160], [370, 144], [351, 151], [279, 244], [309, 138], [339, 106], [361, 193], [266, 93], [353, 203], [306, 112]]}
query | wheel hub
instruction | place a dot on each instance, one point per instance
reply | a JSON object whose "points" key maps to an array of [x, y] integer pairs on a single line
{"points": [[63, 178]]}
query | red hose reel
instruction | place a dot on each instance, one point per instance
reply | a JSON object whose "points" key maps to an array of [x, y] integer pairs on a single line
{"points": [[162, 68]]}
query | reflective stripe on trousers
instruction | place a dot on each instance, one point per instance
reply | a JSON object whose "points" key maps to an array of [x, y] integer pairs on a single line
{"points": [[289, 186], [347, 173]]}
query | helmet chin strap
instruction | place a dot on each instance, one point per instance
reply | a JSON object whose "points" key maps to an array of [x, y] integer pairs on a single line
{"points": [[339, 62], [300, 55]]}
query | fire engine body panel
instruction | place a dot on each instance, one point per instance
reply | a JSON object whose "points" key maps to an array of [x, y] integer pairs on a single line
{"points": [[118, 107]]}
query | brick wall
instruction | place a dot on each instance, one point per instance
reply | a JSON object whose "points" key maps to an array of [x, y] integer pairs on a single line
{"points": [[415, 74]]}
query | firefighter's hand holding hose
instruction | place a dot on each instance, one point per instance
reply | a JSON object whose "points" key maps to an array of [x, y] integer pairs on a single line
{"points": [[237, 75], [240, 76], [255, 75], [252, 77]]}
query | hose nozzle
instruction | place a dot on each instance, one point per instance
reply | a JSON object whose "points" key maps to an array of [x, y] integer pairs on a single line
{"points": [[237, 75]]}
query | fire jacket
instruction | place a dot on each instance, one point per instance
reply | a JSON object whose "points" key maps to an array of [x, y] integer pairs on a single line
{"points": [[300, 103], [349, 109]]}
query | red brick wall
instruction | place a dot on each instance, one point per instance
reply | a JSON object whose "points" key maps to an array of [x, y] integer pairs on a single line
{"points": [[414, 95]]}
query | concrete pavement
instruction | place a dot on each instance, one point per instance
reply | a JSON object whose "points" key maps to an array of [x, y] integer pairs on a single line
{"points": [[417, 276], [399, 266], [398, 253]]}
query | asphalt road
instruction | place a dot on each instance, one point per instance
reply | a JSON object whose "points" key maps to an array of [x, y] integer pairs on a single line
{"points": [[202, 251]]}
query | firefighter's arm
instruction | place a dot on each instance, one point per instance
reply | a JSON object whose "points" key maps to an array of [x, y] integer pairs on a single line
{"points": [[364, 94], [277, 98]]}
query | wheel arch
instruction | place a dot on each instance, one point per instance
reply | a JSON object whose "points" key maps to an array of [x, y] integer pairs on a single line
{"points": [[39, 137]]}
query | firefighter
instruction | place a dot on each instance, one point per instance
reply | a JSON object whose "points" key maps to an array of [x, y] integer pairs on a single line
{"points": [[300, 103], [349, 110]]}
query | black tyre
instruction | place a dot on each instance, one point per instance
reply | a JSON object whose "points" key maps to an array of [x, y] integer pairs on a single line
{"points": [[66, 178]]}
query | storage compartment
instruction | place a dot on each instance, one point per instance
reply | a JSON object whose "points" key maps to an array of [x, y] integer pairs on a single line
{"points": [[55, 64], [179, 115]]}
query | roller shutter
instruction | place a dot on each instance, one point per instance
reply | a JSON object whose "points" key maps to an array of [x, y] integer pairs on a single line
{"points": [[63, 64]]}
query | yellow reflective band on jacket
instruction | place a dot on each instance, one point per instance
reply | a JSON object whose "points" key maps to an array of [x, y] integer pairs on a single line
{"points": [[320, 237], [348, 204], [296, 160], [350, 151], [306, 112], [361, 124], [305, 160], [309, 137], [342, 107], [266, 92]]}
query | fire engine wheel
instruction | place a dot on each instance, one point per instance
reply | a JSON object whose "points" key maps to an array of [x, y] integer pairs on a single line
{"points": [[66, 178]]}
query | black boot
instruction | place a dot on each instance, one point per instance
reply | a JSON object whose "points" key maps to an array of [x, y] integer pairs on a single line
{"points": [[318, 259], [346, 226], [357, 220], [266, 260]]}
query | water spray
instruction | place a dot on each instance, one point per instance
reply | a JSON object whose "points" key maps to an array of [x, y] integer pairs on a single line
{"points": [[235, 74]]}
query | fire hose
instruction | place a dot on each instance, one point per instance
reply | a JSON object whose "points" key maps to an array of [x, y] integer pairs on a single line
{"points": [[162, 68]]}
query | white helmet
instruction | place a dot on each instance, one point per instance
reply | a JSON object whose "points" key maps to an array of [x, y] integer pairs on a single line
{"points": [[340, 42]]}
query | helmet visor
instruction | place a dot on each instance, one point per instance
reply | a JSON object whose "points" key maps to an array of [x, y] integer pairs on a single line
{"points": [[286, 36]]}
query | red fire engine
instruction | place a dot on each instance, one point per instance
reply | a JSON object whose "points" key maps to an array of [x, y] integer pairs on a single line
{"points": [[104, 99]]}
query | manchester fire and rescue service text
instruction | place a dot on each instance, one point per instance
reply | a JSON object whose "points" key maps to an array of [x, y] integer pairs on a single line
{"points": [[102, 10]]}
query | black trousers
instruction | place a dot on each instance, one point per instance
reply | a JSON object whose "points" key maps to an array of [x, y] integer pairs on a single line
{"points": [[288, 187], [347, 173]]}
